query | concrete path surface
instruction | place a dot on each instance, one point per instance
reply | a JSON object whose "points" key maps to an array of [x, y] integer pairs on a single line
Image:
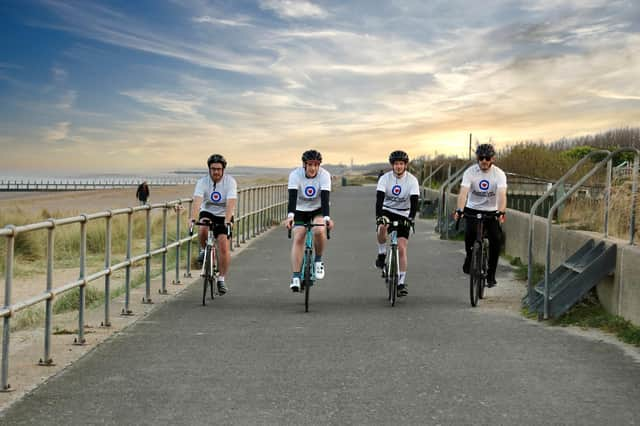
{"points": [[255, 357]]}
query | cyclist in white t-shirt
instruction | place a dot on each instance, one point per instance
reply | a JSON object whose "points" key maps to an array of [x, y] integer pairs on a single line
{"points": [[483, 189], [397, 197], [309, 190], [214, 199]]}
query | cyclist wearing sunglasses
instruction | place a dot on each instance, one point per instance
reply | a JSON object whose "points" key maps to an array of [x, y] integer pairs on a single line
{"points": [[483, 188], [309, 189], [214, 199]]}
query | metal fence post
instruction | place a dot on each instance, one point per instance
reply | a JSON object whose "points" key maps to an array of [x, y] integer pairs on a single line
{"points": [[147, 264], [177, 280], [607, 197], [107, 278], [6, 335], [80, 340], [127, 279], [187, 273], [46, 360], [163, 289]]}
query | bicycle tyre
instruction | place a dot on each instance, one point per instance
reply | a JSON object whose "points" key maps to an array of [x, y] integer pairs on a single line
{"points": [[475, 274], [207, 275], [393, 277], [484, 263], [212, 282], [307, 282]]}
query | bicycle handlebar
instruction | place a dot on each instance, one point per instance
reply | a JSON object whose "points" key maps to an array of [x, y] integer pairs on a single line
{"points": [[209, 225]]}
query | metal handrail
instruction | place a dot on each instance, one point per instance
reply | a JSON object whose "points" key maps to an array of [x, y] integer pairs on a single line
{"points": [[607, 160], [260, 205], [443, 217], [534, 207]]}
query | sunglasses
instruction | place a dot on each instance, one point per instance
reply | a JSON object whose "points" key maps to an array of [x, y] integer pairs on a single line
{"points": [[484, 158]]}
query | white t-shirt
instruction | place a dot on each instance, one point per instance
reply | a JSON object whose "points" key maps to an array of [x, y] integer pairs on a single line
{"points": [[397, 192], [483, 187], [309, 188], [215, 195]]}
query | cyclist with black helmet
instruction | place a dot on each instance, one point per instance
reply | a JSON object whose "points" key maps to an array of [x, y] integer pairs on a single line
{"points": [[397, 197], [483, 188], [309, 189], [214, 199]]}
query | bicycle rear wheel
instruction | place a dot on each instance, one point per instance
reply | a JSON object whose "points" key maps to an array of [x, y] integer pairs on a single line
{"points": [[393, 277], [475, 275]]}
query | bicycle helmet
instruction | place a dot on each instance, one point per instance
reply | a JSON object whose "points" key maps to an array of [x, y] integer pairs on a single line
{"points": [[398, 156], [217, 158], [485, 150], [311, 155]]}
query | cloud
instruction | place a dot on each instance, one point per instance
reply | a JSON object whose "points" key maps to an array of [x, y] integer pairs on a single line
{"points": [[294, 8], [224, 22], [67, 100], [57, 133]]}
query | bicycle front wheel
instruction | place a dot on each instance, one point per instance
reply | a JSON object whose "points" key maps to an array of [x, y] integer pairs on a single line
{"points": [[484, 262], [475, 274], [207, 279], [393, 276], [307, 283]]}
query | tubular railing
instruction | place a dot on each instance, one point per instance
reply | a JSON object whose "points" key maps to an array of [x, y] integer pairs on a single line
{"points": [[443, 215], [258, 208], [40, 185], [608, 161]]}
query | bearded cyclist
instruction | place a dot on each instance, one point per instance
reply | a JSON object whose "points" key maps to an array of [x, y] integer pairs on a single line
{"points": [[483, 189], [397, 197], [214, 199], [309, 190]]}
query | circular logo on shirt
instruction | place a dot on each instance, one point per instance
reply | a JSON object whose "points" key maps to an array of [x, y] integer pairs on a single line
{"points": [[216, 197], [484, 185], [310, 191], [396, 190]]}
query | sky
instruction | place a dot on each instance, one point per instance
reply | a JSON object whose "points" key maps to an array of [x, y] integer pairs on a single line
{"points": [[152, 85]]}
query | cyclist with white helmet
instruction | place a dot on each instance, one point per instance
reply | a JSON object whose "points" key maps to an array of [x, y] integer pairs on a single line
{"points": [[309, 190], [483, 189], [214, 199], [397, 197]]}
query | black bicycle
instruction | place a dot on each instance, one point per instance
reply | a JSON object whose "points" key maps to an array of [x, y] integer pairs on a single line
{"points": [[391, 269], [479, 257], [210, 271], [307, 268]]}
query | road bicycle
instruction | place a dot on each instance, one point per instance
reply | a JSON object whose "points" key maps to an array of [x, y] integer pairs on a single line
{"points": [[391, 269], [479, 256], [308, 269], [210, 271]]}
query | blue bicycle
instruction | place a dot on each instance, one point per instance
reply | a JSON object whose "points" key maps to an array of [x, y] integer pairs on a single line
{"points": [[308, 269]]}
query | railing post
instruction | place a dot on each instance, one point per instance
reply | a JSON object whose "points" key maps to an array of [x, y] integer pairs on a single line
{"points": [[127, 275], [238, 216], [80, 340], [163, 284], [244, 215], [147, 264], [607, 197], [6, 331], [47, 360], [107, 278], [177, 280], [187, 273], [634, 194]]}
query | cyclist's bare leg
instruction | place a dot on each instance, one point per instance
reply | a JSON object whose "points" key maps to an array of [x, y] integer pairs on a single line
{"points": [[382, 234], [319, 236], [202, 234], [402, 252], [297, 248], [224, 254]]}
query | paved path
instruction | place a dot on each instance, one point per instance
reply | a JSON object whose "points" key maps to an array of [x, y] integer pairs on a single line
{"points": [[255, 357]]}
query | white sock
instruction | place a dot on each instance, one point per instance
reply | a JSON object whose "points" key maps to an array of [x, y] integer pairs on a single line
{"points": [[382, 248], [221, 278], [401, 278]]}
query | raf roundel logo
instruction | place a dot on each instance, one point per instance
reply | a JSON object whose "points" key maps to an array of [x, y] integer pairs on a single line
{"points": [[484, 185], [310, 191], [216, 197], [396, 190]]}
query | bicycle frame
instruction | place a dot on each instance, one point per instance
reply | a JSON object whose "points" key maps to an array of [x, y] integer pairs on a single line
{"points": [[307, 267], [209, 271], [479, 259]]}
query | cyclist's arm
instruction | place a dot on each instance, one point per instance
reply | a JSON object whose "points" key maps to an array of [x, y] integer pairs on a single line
{"points": [[293, 198], [324, 202], [414, 206], [195, 207], [462, 197], [379, 202]]}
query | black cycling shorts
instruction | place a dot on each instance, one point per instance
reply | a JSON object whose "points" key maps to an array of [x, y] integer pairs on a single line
{"points": [[404, 229], [219, 227], [306, 217]]}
